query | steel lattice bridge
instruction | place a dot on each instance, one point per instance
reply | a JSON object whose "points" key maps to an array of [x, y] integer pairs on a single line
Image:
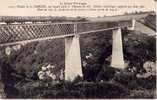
{"points": [[11, 34], [16, 33]]}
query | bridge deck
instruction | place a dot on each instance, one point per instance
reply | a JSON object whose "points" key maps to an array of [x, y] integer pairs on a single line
{"points": [[16, 33]]}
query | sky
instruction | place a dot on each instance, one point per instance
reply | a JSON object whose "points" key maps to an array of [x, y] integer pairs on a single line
{"points": [[7, 10]]}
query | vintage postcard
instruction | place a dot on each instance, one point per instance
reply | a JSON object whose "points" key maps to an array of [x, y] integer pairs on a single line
{"points": [[78, 49]]}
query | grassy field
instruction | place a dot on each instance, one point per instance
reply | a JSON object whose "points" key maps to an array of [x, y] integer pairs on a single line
{"points": [[120, 17]]}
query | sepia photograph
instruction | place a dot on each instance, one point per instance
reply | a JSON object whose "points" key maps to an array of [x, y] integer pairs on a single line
{"points": [[78, 50]]}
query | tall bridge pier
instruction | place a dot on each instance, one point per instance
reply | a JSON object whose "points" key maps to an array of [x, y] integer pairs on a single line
{"points": [[73, 67], [117, 49]]}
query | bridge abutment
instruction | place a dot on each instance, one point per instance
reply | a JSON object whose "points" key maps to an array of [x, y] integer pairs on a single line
{"points": [[133, 25], [73, 66], [117, 50]]}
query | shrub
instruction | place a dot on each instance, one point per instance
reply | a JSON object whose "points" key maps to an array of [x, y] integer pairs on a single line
{"points": [[147, 83], [141, 94], [126, 79]]}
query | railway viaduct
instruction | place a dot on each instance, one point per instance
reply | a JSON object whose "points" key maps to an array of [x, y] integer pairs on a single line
{"points": [[12, 34]]}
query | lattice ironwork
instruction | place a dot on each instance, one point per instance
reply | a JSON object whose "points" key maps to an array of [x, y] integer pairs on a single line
{"points": [[85, 27], [21, 32]]}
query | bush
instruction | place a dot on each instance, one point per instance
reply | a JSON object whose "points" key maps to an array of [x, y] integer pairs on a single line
{"points": [[147, 83], [126, 79], [106, 74], [141, 94]]}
